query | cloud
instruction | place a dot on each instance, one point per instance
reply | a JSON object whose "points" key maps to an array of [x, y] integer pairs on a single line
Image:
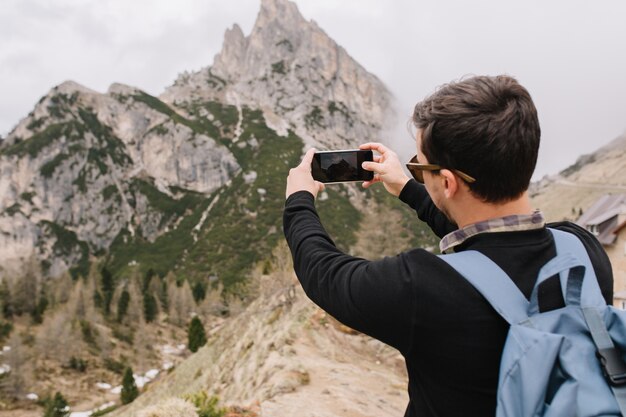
{"points": [[568, 53]]}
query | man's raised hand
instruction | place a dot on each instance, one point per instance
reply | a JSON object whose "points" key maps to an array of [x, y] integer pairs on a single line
{"points": [[300, 178], [386, 167]]}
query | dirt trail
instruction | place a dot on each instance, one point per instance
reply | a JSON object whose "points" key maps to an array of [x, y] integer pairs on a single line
{"points": [[350, 376]]}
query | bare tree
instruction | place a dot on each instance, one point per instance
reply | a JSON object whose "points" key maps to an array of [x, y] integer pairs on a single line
{"points": [[26, 288], [182, 304], [213, 303], [57, 338], [141, 342], [135, 304], [61, 289], [16, 359]]}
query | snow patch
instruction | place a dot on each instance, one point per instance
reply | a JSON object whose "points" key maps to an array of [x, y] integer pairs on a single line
{"points": [[104, 386], [4, 369], [152, 373]]}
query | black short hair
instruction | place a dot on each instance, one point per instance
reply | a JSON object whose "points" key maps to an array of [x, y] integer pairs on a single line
{"points": [[485, 126]]}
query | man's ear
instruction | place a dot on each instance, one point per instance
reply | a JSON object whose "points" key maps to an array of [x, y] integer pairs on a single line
{"points": [[450, 183]]}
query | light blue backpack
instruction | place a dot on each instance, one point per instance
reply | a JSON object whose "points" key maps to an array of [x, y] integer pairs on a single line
{"points": [[564, 362]]}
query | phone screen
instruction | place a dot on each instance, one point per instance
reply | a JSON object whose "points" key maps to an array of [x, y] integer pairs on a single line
{"points": [[341, 166]]}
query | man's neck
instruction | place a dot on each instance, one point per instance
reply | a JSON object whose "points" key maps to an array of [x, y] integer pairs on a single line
{"points": [[472, 210]]}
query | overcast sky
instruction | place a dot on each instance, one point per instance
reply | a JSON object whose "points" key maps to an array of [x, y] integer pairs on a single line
{"points": [[570, 54]]}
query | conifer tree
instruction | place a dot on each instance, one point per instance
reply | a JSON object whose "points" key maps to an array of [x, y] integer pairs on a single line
{"points": [[196, 335], [146, 279], [107, 289], [163, 296], [6, 305], [56, 407], [122, 304], [129, 387], [40, 308], [149, 307], [199, 292]]}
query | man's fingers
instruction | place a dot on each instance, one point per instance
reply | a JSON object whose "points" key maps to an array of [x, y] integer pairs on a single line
{"points": [[307, 159], [367, 184], [372, 166], [376, 146]]}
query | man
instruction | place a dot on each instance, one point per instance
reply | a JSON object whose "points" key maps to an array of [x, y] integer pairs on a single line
{"points": [[477, 144]]}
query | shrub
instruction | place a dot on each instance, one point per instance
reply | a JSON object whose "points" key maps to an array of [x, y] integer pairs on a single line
{"points": [[172, 407], [205, 405], [56, 407], [114, 366], [78, 364]]}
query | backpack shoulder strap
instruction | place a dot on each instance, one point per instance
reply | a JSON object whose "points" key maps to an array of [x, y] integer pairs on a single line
{"points": [[492, 282], [567, 243]]}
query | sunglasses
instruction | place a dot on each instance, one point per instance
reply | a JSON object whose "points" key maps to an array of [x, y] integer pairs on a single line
{"points": [[417, 170]]}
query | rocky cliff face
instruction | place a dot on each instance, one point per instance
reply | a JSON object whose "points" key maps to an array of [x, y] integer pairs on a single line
{"points": [[297, 75], [84, 166], [168, 183]]}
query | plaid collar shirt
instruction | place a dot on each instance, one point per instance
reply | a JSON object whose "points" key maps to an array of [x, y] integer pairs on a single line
{"points": [[512, 223]]}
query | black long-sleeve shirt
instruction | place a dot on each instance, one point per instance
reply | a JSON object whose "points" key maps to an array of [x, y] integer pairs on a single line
{"points": [[449, 335]]}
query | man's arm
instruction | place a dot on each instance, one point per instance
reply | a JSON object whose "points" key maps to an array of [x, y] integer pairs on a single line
{"points": [[388, 170], [415, 196], [376, 298]]}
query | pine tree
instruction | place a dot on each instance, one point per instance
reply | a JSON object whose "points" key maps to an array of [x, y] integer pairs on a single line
{"points": [[122, 304], [146, 280], [129, 387], [199, 292], [149, 307], [163, 296], [97, 299], [56, 407], [37, 314], [6, 305], [196, 335], [107, 289]]}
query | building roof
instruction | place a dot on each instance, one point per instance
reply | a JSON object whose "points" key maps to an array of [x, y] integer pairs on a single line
{"points": [[606, 208], [619, 227], [605, 204]]}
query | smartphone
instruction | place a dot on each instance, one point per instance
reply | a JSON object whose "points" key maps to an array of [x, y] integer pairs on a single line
{"points": [[341, 166]]}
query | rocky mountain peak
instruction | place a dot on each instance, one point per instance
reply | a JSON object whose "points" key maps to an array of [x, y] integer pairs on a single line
{"points": [[70, 87], [300, 78], [39, 118], [272, 9], [122, 89], [280, 18]]}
